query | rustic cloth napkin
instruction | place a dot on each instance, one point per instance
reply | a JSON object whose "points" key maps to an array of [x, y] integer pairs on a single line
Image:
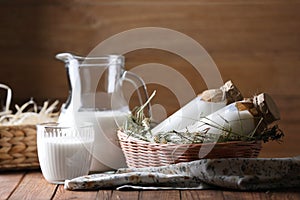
{"points": [[232, 173]]}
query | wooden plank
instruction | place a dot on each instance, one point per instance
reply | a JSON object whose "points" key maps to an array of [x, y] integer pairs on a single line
{"points": [[237, 195], [289, 108], [289, 146], [244, 38], [201, 194], [129, 2], [9, 182], [34, 186], [168, 194], [125, 195], [61, 193], [291, 194], [104, 194], [278, 194]]}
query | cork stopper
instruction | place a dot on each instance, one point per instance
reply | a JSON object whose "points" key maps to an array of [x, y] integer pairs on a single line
{"points": [[228, 92], [267, 107], [213, 95], [232, 93]]}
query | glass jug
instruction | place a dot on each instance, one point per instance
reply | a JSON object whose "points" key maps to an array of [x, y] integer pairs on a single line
{"points": [[96, 96]]}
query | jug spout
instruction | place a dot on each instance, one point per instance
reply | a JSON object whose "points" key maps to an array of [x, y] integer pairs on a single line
{"points": [[65, 57]]}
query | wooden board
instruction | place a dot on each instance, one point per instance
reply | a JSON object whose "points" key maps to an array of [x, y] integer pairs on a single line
{"points": [[254, 43], [125, 195], [61, 193], [9, 182], [32, 186], [204, 194]]}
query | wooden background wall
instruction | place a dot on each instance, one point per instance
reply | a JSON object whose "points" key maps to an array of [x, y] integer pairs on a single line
{"points": [[254, 43]]}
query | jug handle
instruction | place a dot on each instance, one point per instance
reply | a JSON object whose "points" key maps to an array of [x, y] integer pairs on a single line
{"points": [[138, 81]]}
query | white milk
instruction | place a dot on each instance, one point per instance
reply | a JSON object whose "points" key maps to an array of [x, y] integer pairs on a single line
{"points": [[64, 157], [107, 153]]}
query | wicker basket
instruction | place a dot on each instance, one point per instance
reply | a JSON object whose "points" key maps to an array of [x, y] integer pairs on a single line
{"points": [[140, 153], [18, 149]]}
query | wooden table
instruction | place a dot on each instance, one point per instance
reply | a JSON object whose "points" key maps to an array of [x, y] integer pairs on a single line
{"points": [[32, 185]]}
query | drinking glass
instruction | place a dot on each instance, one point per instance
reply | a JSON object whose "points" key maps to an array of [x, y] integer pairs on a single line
{"points": [[64, 152]]}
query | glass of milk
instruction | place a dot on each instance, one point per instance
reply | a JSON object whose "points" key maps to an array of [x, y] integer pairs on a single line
{"points": [[64, 152]]}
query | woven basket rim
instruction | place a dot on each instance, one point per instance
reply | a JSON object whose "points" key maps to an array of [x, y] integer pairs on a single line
{"points": [[139, 153], [138, 141], [19, 125]]}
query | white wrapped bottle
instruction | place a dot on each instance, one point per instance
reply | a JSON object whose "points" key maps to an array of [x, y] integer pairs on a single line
{"points": [[237, 120], [204, 104]]}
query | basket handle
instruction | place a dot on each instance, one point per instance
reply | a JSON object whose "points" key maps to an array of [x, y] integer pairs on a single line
{"points": [[8, 98]]}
